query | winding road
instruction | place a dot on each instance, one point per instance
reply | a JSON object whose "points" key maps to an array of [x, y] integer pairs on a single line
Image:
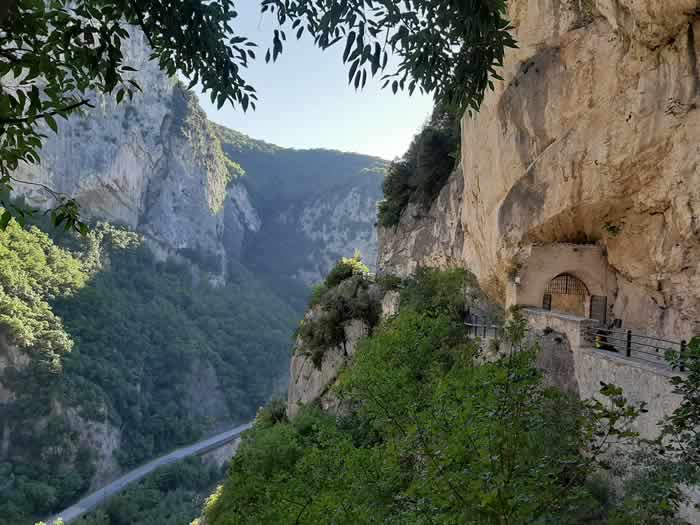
{"points": [[94, 499]]}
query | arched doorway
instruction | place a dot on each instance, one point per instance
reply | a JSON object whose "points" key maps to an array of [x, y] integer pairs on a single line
{"points": [[568, 294]]}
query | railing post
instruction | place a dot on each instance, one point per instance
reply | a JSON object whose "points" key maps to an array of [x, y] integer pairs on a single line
{"points": [[683, 347], [629, 343]]}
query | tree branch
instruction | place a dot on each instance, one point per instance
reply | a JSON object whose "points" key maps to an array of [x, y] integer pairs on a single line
{"points": [[71, 107], [54, 193]]}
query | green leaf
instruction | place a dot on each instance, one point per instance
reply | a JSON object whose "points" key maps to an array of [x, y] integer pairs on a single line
{"points": [[52, 123], [5, 220]]}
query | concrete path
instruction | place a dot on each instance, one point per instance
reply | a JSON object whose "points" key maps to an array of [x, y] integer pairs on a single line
{"points": [[98, 497]]}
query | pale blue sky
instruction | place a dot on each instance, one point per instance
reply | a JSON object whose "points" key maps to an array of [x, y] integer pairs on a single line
{"points": [[306, 102]]}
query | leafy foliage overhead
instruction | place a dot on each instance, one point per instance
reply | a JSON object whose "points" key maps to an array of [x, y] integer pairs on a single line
{"points": [[449, 48]]}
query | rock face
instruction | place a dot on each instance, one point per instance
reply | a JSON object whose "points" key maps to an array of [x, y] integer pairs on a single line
{"points": [[593, 136], [431, 238], [307, 383], [590, 138], [335, 225]]}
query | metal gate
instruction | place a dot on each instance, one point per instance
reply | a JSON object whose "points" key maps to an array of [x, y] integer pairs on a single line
{"points": [[599, 308], [566, 284]]}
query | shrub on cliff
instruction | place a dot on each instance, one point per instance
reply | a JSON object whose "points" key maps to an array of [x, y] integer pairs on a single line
{"points": [[346, 268], [437, 291], [422, 172], [343, 296]]}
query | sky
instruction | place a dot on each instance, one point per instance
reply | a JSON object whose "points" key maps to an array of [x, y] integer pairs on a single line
{"points": [[306, 102]]}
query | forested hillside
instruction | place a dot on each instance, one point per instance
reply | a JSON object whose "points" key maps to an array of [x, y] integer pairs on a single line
{"points": [[109, 358], [139, 338], [279, 176], [317, 206]]}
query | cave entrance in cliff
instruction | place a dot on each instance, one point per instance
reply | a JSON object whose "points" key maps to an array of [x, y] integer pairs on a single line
{"points": [[567, 294]]}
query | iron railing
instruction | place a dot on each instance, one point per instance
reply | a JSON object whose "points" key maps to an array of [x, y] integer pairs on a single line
{"points": [[641, 347], [476, 328], [484, 330]]}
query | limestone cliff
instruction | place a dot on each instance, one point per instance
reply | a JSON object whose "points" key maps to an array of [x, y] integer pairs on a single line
{"points": [[431, 237], [309, 383], [334, 225], [152, 164], [156, 164], [590, 138]]}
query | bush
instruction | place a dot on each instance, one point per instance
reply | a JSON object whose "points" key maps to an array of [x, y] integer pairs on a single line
{"points": [[389, 282], [434, 291], [317, 292], [423, 170], [342, 297], [344, 269], [275, 412]]}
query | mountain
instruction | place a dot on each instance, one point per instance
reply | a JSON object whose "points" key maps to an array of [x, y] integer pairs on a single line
{"points": [[175, 316], [577, 186]]}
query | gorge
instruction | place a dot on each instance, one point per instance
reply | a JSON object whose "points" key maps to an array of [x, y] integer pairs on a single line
{"points": [[573, 197], [175, 314]]}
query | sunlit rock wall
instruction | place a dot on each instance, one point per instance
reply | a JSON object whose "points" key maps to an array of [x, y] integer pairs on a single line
{"points": [[592, 137]]}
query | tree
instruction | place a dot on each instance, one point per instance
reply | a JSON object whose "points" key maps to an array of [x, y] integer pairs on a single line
{"points": [[55, 55], [681, 431], [431, 433]]}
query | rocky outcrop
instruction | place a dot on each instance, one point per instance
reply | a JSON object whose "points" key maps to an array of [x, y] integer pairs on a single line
{"points": [[590, 138], [103, 439], [204, 393], [432, 238], [309, 383]]}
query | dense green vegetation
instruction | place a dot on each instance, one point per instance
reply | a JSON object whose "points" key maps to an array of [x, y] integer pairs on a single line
{"points": [[421, 173], [119, 340], [33, 273], [345, 294], [433, 434], [172, 495]]}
